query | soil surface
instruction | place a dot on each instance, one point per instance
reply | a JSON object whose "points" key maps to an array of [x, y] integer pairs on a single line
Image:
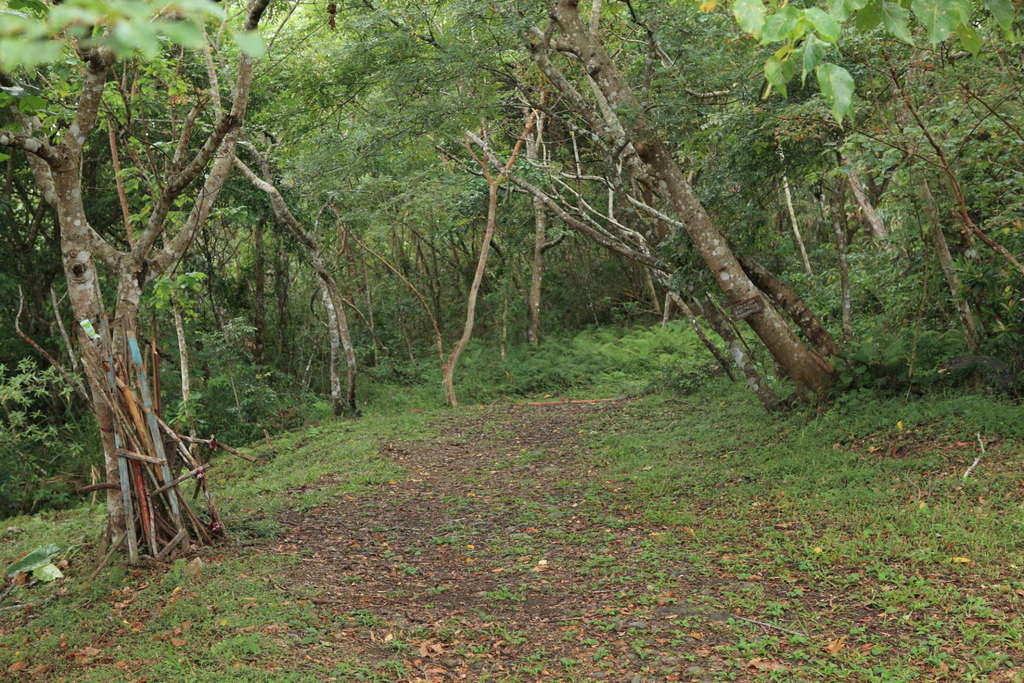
{"points": [[488, 562]]}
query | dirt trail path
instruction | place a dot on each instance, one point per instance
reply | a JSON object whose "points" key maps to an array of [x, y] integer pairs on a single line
{"points": [[490, 562]]}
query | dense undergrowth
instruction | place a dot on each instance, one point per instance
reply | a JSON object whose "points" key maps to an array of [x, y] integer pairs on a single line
{"points": [[240, 402]]}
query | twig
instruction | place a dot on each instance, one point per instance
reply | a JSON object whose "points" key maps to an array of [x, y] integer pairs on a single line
{"points": [[978, 459], [770, 625]]}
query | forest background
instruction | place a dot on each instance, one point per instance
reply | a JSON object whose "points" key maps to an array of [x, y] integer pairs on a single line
{"points": [[312, 208]]}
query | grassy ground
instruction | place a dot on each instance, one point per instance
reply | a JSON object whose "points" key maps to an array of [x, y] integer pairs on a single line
{"points": [[666, 537]]}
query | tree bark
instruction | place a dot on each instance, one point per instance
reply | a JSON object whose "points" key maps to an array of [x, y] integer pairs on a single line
{"points": [[839, 226], [540, 231], [786, 298], [332, 331], [183, 362], [811, 373], [448, 370], [259, 292], [941, 247], [879, 231], [792, 217]]}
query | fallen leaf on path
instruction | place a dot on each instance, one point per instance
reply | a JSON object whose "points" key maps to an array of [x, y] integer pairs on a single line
{"points": [[761, 664], [835, 646], [430, 648]]}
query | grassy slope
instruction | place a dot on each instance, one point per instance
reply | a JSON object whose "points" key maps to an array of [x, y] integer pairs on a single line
{"points": [[866, 500], [855, 525]]}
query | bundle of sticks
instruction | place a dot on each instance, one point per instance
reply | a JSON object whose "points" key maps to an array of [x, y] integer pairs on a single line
{"points": [[154, 461]]}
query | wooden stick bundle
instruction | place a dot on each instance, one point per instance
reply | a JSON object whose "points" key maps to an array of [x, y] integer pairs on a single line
{"points": [[154, 461]]}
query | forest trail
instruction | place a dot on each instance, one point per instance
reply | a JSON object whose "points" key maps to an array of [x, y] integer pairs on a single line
{"points": [[488, 561]]}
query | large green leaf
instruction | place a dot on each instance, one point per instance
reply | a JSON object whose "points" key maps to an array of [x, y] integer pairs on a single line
{"points": [[775, 72], [40, 557], [813, 53], [824, 24], [869, 17], [1002, 11], [250, 42], [779, 25], [939, 17], [837, 86], [750, 15], [897, 21], [969, 38]]}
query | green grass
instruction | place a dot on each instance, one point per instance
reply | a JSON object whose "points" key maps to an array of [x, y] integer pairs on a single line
{"points": [[234, 619], [791, 509]]}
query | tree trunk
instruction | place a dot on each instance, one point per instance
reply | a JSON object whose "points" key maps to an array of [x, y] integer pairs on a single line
{"points": [[874, 222], [938, 239], [540, 231], [740, 358], [792, 217], [332, 332], [282, 280], [183, 362], [284, 215], [786, 298], [259, 291], [448, 371], [839, 228], [691, 317], [811, 373]]}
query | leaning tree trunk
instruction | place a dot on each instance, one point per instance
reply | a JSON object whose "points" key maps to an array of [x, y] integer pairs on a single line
{"points": [[284, 216], [879, 231], [791, 303], [448, 371], [810, 372], [941, 247]]}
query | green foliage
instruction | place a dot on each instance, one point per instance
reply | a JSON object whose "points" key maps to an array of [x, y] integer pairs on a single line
{"points": [[33, 33], [606, 361], [802, 31], [237, 400], [40, 455]]}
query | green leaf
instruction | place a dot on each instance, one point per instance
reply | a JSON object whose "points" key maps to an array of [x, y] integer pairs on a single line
{"points": [[4, 157], [775, 73], [837, 86], [826, 26], [779, 25], [969, 38], [841, 9], [31, 104], [897, 21], [183, 33], [47, 573], [250, 42], [869, 17], [939, 17], [39, 557], [750, 16], [1002, 11], [813, 53]]}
